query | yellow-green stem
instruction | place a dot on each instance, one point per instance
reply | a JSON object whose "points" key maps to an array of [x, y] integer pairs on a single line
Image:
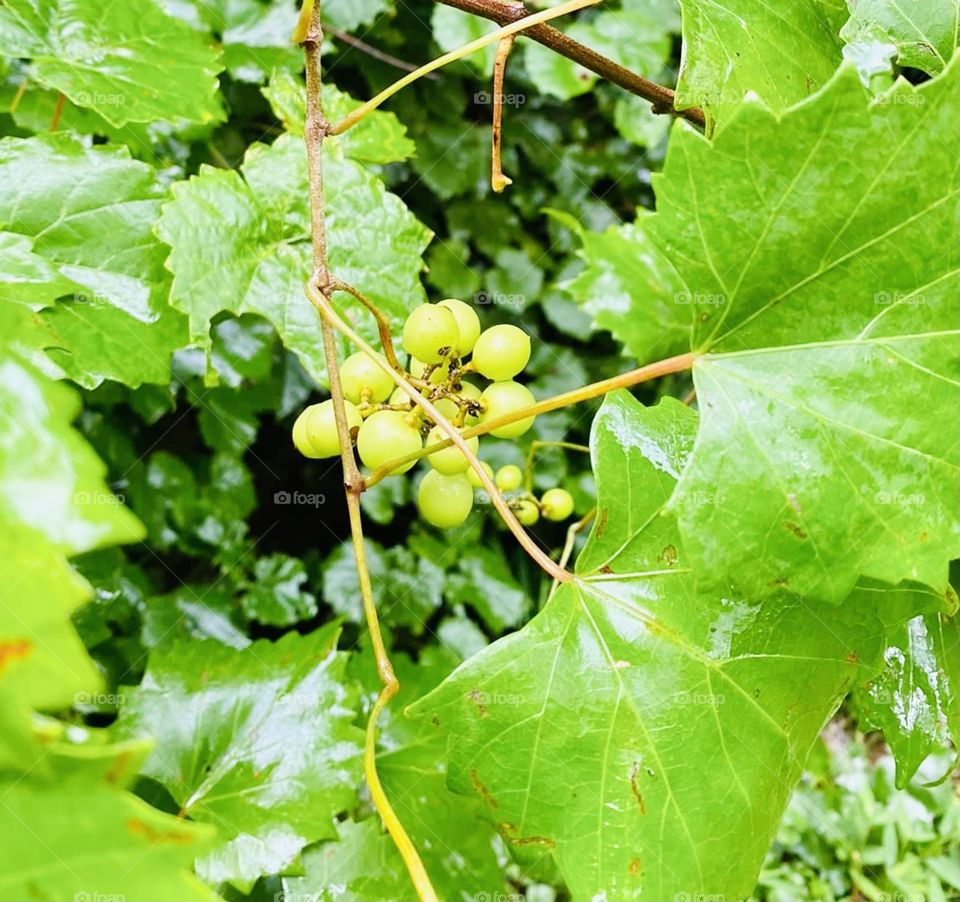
{"points": [[492, 38]]}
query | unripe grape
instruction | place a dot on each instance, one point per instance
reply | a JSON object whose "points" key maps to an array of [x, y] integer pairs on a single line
{"points": [[399, 396], [360, 374], [315, 430], [474, 479], [501, 352], [430, 333], [418, 368], [385, 436], [556, 504], [509, 478], [449, 460], [447, 407], [444, 501], [527, 512], [502, 398], [468, 324]]}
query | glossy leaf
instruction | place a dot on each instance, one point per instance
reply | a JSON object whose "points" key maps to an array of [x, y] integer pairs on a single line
{"points": [[827, 348], [925, 34], [241, 244], [916, 699], [128, 62], [74, 839], [577, 731], [783, 52], [277, 596], [629, 287], [80, 223], [258, 742]]}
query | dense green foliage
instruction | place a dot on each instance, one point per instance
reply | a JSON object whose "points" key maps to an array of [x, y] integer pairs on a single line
{"points": [[185, 674]]}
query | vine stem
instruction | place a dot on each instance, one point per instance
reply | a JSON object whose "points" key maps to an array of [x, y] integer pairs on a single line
{"points": [[493, 37], [498, 181], [655, 370], [662, 99], [315, 130], [455, 437]]}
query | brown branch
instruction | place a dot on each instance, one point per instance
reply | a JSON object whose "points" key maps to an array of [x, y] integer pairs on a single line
{"points": [[659, 96]]}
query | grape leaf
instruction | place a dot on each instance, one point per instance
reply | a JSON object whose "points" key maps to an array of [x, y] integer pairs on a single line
{"points": [[128, 62], [630, 288], [276, 596], [925, 34], [74, 839], [916, 699], [781, 51], [84, 217], [348, 15], [227, 723], [577, 730], [241, 244], [255, 36], [823, 297], [377, 138]]}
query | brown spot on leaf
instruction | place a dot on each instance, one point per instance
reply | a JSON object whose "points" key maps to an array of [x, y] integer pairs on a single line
{"points": [[14, 651], [511, 834], [484, 793], [479, 699], [852, 657], [923, 537], [140, 828], [635, 867], [118, 769], [607, 569], [668, 556], [602, 523], [635, 789], [796, 530]]}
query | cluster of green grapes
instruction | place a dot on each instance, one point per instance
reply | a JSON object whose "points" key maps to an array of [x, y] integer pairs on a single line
{"points": [[386, 424]]}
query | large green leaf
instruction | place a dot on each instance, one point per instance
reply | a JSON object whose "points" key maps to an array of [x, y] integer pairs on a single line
{"points": [[645, 733], [79, 221], [824, 292], [259, 742], [241, 244], [630, 288], [130, 62], [781, 51], [925, 34], [74, 839]]}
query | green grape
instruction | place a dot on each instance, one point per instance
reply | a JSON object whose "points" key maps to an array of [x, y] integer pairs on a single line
{"points": [[474, 479], [468, 324], [502, 398], [527, 512], [386, 435], [449, 460], [418, 368], [447, 407], [509, 478], [315, 431], [360, 374], [399, 396], [430, 333], [444, 501], [556, 504], [501, 352]]}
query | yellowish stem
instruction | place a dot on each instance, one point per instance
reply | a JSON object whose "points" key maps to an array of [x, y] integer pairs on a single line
{"points": [[492, 38]]}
